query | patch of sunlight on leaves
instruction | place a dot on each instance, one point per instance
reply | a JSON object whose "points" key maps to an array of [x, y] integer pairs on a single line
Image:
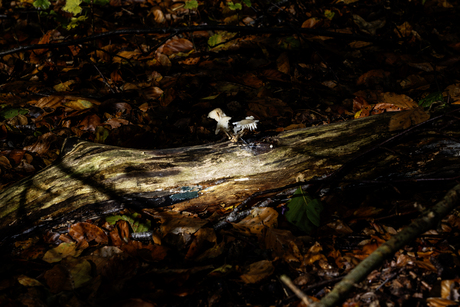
{"points": [[133, 220], [215, 40], [234, 6], [303, 211], [191, 4], [81, 272], [102, 134], [8, 113], [29, 282], [79, 104], [42, 4], [329, 14], [72, 6], [75, 22], [62, 251]]}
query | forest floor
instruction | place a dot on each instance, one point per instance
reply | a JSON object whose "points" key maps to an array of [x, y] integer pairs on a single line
{"points": [[149, 78]]}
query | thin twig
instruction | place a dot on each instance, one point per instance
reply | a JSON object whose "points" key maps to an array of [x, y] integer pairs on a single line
{"points": [[175, 31], [305, 299]]}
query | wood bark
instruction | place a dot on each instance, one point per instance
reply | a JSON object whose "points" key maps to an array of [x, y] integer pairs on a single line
{"points": [[195, 177]]}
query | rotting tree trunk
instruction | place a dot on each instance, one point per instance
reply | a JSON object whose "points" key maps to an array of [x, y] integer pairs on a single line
{"points": [[197, 176]]}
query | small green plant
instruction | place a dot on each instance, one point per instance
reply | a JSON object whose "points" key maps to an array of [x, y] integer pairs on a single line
{"points": [[431, 99], [134, 220], [71, 6], [303, 211], [238, 6], [191, 4]]}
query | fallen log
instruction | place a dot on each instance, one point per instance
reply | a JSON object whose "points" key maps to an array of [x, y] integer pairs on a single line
{"points": [[197, 177]]}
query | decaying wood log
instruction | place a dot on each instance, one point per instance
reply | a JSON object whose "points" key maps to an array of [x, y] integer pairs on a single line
{"points": [[203, 176]]}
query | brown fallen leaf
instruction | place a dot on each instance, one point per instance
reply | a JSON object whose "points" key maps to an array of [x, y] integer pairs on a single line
{"points": [[400, 101], [405, 119], [258, 271]]}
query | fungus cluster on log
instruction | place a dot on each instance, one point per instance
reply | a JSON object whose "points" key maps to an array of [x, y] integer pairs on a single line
{"points": [[240, 127]]}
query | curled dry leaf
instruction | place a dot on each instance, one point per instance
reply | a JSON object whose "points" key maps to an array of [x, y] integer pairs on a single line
{"points": [[50, 102], [87, 231], [5, 163], [453, 91], [257, 221], [368, 27], [282, 63], [156, 15], [43, 144], [175, 46], [152, 92]]}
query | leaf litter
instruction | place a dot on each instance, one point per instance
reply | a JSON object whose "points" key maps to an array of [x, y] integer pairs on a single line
{"points": [[155, 90]]}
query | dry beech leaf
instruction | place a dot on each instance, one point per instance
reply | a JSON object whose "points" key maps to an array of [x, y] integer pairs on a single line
{"points": [[405, 119], [453, 91], [257, 221], [5, 163], [310, 23], [450, 289], [283, 63], [275, 75], [439, 302], [368, 27], [58, 279], [43, 143], [124, 56], [404, 30], [152, 92], [250, 79], [402, 101], [50, 102], [258, 271], [176, 45], [374, 76], [158, 15], [87, 231], [283, 244]]}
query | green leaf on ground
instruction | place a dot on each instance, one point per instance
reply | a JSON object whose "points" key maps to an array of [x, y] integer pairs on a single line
{"points": [[430, 99], [42, 4], [191, 4], [234, 6], [303, 211], [102, 134], [10, 113], [214, 40], [75, 22], [72, 6], [329, 14], [134, 221]]}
